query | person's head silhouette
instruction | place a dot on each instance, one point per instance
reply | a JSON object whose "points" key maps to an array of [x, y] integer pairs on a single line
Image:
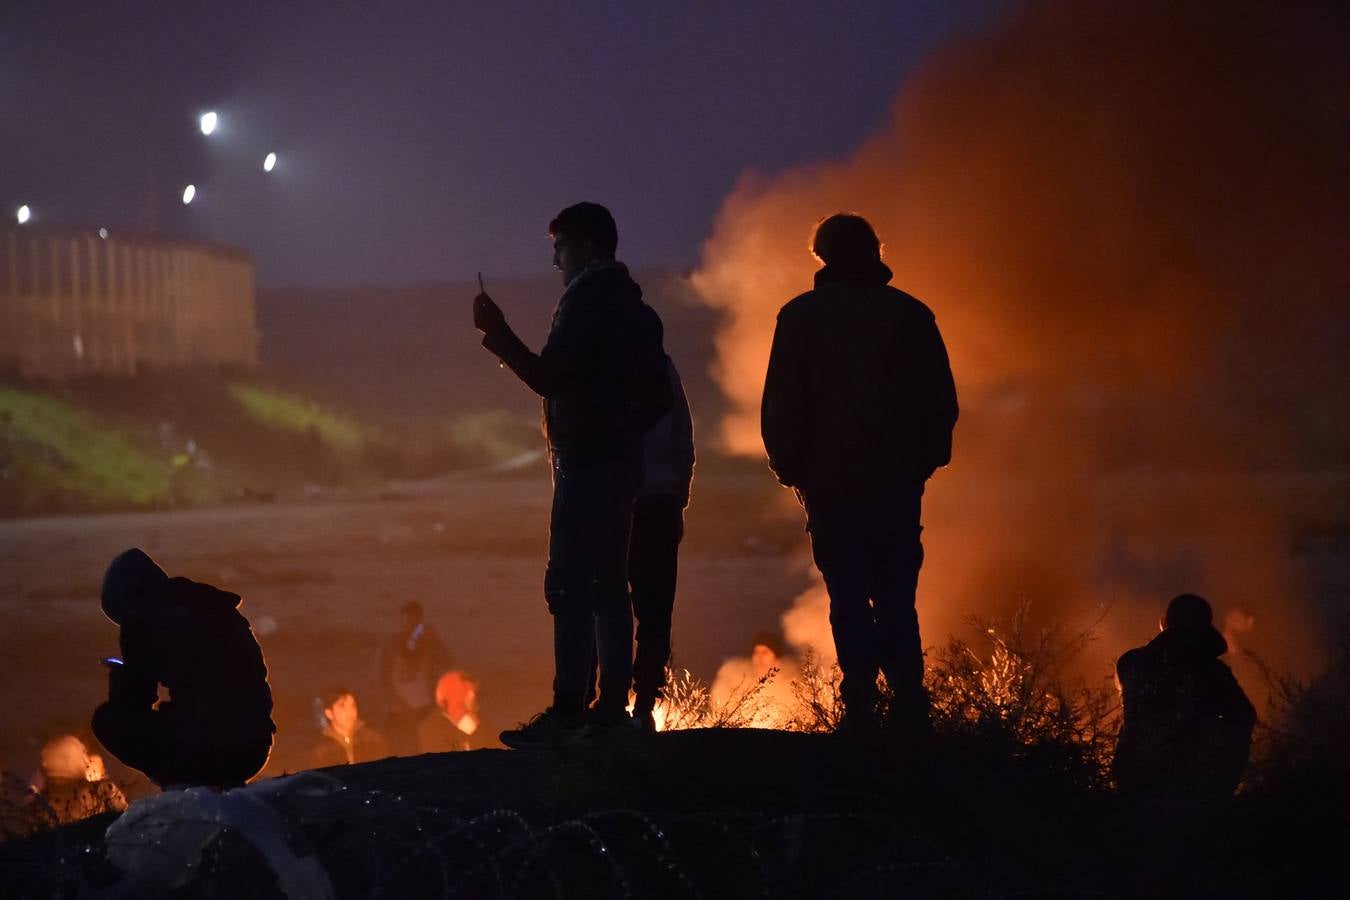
{"points": [[1187, 611], [845, 239], [582, 234]]}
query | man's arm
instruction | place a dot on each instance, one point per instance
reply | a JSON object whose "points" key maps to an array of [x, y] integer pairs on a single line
{"points": [[682, 435], [936, 393], [567, 351], [781, 410], [135, 683]]}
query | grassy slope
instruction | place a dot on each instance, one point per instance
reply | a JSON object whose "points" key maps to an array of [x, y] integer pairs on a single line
{"points": [[188, 441]]}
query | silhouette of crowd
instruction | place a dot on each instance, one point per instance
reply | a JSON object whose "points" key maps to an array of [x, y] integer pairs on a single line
{"points": [[858, 412]]}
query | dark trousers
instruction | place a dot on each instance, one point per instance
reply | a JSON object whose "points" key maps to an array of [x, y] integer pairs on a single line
{"points": [[653, 565], [171, 753], [586, 583], [866, 545]]}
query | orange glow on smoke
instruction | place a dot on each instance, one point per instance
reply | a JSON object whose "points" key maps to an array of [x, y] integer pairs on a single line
{"points": [[1076, 198]]}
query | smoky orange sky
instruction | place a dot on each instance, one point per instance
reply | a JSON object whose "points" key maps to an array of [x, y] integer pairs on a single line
{"points": [[1131, 221]]}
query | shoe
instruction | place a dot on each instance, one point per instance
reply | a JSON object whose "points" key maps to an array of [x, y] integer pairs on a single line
{"points": [[549, 727], [601, 722], [858, 725], [643, 721]]}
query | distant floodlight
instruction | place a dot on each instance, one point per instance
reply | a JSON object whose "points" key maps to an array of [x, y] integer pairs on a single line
{"points": [[103, 233], [188, 193], [24, 214], [270, 162], [209, 121]]}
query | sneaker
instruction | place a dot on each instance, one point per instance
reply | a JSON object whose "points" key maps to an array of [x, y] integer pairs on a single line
{"points": [[856, 725], [548, 727], [600, 722], [643, 721]]}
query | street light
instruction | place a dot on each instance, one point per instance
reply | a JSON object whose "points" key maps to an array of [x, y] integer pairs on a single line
{"points": [[24, 214], [270, 162], [188, 193], [208, 122]]}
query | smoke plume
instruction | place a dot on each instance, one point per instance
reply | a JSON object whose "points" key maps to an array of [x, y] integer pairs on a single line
{"points": [[1131, 220]]}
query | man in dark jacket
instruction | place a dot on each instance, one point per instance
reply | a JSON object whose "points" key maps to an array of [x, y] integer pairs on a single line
{"points": [[858, 411], [410, 660], [216, 727], [654, 547], [654, 550], [346, 740], [1187, 722], [601, 375]]}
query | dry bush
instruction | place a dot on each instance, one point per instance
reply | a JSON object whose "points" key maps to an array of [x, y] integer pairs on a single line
{"points": [[688, 703], [1302, 740], [1019, 689], [819, 705]]}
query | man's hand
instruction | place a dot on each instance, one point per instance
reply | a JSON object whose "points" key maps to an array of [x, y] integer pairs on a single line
{"points": [[487, 315]]}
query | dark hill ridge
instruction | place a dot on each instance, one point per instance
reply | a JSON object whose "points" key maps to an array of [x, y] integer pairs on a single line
{"points": [[706, 813]]}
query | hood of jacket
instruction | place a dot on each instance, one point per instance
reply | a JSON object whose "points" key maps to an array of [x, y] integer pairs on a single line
{"points": [[134, 580], [131, 576], [1191, 642]]}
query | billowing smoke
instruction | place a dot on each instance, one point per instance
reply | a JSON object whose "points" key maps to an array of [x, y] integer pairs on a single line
{"points": [[1133, 222]]}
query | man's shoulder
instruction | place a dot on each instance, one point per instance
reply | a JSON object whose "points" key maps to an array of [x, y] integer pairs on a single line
{"points": [[1132, 661], [819, 299]]}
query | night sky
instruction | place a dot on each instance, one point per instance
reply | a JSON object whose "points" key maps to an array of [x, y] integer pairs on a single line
{"points": [[426, 141]]}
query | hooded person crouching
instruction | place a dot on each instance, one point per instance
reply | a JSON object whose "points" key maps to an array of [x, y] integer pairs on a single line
{"points": [[1187, 723], [215, 728]]}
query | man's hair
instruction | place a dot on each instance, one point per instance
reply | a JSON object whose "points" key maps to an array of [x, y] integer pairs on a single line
{"points": [[587, 221], [845, 238], [330, 697], [411, 608], [767, 639], [1188, 611]]}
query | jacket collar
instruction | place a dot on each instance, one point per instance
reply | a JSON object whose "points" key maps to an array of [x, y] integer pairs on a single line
{"points": [[872, 271]]}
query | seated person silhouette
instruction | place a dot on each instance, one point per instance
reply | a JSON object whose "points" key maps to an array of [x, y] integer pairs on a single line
{"points": [[1187, 723], [346, 739], [215, 728], [452, 724]]}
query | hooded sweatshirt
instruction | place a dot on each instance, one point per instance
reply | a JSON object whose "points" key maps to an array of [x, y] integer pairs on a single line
{"points": [[859, 390], [1187, 722], [191, 638]]}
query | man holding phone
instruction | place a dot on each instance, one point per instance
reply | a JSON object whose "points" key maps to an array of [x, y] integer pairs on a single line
{"points": [[602, 377], [215, 728]]}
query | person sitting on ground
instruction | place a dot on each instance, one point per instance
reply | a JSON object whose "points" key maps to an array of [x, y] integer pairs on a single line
{"points": [[1187, 722], [215, 729], [74, 782], [455, 719], [346, 739], [409, 661], [760, 688]]}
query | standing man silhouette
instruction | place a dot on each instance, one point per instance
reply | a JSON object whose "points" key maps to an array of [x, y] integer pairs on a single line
{"points": [[602, 377], [858, 411]]}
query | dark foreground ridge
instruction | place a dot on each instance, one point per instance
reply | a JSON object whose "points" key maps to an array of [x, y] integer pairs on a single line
{"points": [[709, 813]]}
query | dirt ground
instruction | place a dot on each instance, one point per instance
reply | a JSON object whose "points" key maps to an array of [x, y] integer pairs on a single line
{"points": [[323, 578], [322, 581]]}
